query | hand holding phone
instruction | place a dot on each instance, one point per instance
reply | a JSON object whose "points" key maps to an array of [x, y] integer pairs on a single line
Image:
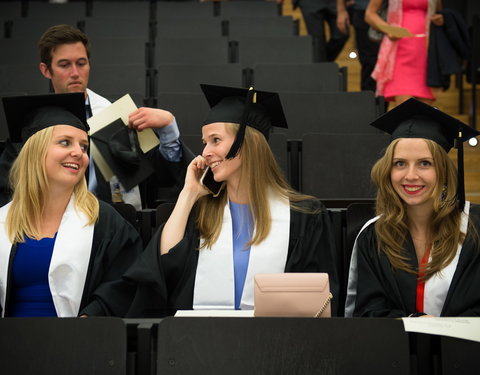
{"points": [[209, 182]]}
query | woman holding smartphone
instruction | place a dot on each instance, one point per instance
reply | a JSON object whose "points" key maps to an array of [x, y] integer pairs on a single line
{"points": [[207, 253]]}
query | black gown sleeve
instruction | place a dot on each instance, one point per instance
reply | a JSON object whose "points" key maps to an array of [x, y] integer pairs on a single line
{"points": [[463, 298], [381, 290], [165, 283], [7, 158], [312, 245], [116, 245]]}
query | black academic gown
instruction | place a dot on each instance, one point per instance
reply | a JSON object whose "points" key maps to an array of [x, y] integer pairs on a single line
{"points": [[385, 292], [7, 158], [163, 185], [166, 283], [116, 245]]}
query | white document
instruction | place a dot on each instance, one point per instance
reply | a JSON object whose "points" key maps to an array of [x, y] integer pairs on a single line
{"points": [[462, 328]]}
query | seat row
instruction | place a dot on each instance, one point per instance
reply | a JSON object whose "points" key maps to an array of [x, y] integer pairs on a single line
{"points": [[152, 87], [231, 27], [147, 9]]}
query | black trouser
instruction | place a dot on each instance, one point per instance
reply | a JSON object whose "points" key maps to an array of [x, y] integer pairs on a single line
{"points": [[315, 22], [367, 50]]}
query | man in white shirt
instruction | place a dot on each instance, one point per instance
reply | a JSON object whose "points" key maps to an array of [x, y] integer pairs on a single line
{"points": [[65, 60]]}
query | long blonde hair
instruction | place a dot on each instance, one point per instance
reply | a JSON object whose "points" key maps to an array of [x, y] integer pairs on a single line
{"points": [[392, 226], [29, 182], [260, 171]]}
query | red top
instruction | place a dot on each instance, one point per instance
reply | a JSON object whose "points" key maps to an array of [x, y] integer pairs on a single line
{"points": [[421, 281]]}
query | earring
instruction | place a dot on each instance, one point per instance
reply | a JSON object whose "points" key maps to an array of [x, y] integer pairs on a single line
{"points": [[444, 193]]}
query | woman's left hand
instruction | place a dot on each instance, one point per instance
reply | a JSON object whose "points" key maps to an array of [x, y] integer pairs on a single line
{"points": [[437, 19]]}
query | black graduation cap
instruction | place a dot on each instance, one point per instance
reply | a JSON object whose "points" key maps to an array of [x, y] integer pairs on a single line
{"points": [[28, 114], [415, 119], [120, 148], [258, 109]]}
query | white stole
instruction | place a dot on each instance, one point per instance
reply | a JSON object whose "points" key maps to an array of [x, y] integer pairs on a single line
{"points": [[69, 263], [437, 286], [214, 280]]}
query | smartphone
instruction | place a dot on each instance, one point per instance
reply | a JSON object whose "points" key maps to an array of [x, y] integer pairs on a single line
{"points": [[209, 182]]}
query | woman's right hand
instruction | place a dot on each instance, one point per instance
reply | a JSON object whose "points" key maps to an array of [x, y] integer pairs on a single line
{"points": [[393, 38], [194, 173], [174, 228]]}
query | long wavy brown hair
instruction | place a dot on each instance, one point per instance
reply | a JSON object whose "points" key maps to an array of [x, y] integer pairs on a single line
{"points": [[29, 182], [392, 226], [263, 176]]}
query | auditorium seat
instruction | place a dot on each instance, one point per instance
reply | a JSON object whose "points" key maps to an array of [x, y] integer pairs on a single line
{"points": [[128, 212], [332, 112], [310, 77], [188, 27], [162, 213], [184, 9], [187, 78], [260, 26], [121, 9], [337, 166], [3, 122], [33, 28], [249, 8], [10, 9], [23, 78], [189, 109], [110, 79], [119, 51], [191, 50], [19, 51], [357, 214], [293, 49], [279, 145], [105, 27], [38, 9]]}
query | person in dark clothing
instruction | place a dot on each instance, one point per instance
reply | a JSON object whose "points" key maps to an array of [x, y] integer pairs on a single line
{"points": [[62, 252], [421, 255], [208, 251], [353, 12], [315, 14]]}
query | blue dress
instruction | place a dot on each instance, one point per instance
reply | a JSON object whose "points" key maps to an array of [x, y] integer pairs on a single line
{"points": [[31, 296], [242, 228]]}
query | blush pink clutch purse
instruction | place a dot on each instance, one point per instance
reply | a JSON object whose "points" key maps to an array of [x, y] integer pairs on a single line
{"points": [[292, 295]]}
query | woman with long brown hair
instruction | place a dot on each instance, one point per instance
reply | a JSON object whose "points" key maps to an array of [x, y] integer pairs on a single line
{"points": [[420, 256]]}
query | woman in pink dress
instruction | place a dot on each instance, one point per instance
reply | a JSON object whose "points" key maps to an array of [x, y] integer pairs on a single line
{"points": [[401, 69]]}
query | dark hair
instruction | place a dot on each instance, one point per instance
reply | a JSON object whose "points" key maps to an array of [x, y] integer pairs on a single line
{"points": [[58, 35]]}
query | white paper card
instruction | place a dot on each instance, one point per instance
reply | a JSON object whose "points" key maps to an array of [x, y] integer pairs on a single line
{"points": [[215, 313], [122, 109], [462, 328]]}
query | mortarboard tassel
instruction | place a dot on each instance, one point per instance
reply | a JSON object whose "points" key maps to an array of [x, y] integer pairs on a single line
{"points": [[237, 143], [460, 168]]}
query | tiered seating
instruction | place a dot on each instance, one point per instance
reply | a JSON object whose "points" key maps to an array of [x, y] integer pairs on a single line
{"points": [[161, 51]]}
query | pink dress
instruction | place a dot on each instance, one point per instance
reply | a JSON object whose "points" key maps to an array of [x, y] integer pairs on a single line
{"points": [[410, 69]]}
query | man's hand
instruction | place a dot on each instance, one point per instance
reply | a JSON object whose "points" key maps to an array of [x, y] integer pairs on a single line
{"points": [[144, 118], [343, 21]]}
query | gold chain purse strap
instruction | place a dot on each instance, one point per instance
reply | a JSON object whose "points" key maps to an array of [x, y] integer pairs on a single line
{"points": [[327, 301]]}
